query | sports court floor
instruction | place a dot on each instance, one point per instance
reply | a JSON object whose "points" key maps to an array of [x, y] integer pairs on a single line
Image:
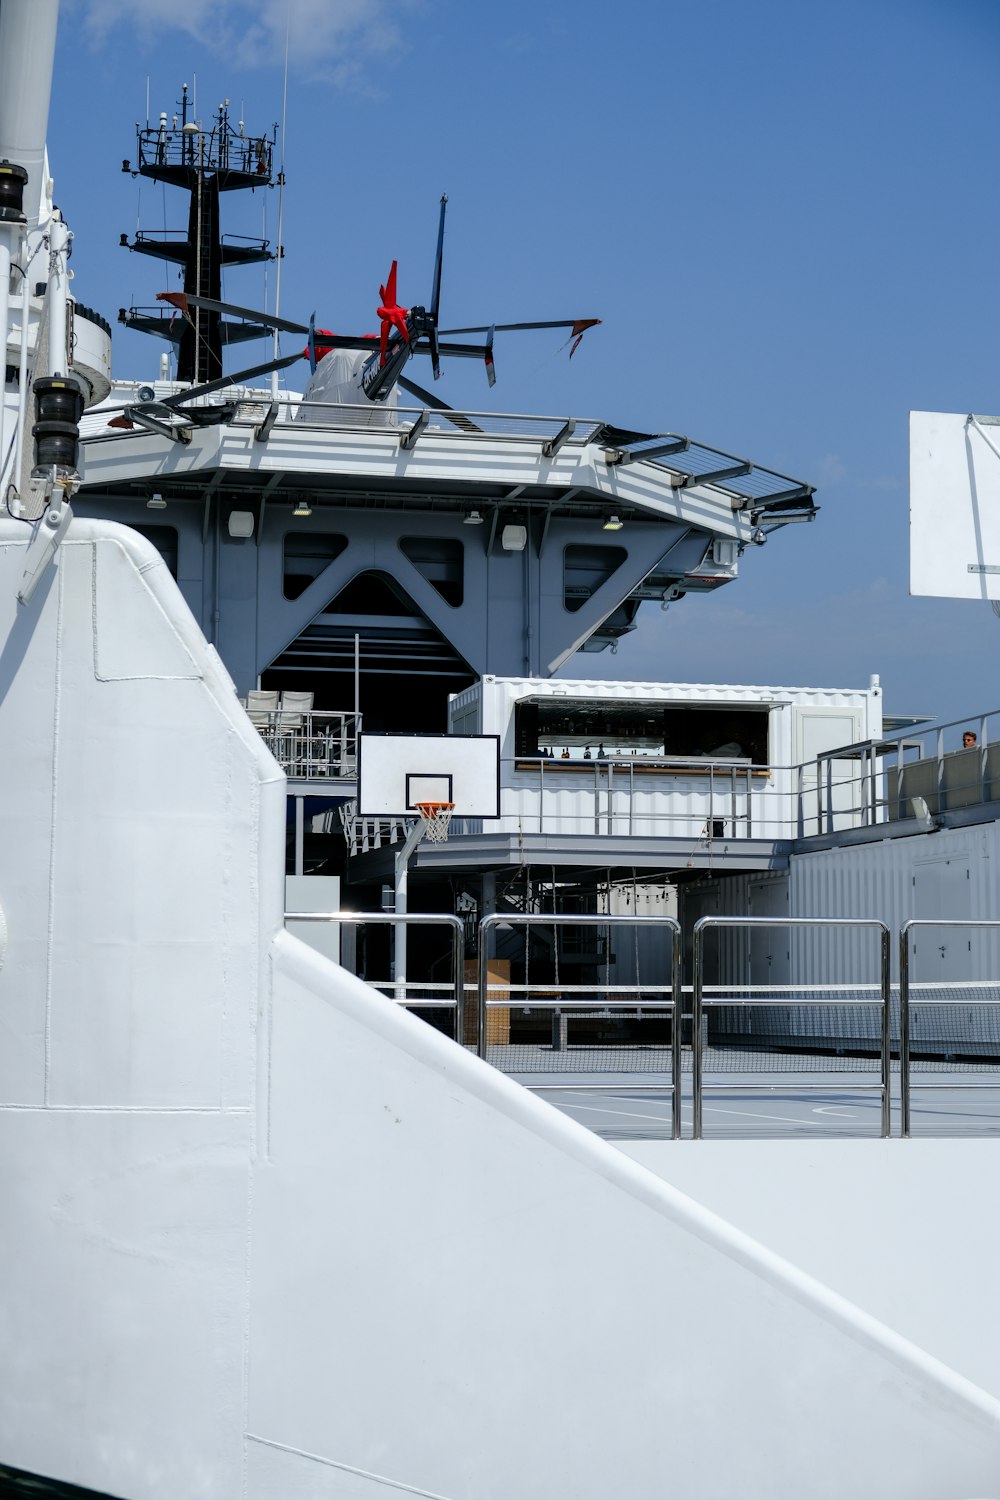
{"points": [[766, 1105]]}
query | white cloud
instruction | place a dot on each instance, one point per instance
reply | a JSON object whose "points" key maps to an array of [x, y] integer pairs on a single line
{"points": [[337, 37]]}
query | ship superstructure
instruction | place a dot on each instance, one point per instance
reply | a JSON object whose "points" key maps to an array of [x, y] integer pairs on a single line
{"points": [[272, 1234], [204, 162]]}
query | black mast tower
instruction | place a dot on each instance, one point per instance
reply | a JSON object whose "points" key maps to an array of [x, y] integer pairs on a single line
{"points": [[203, 163]]}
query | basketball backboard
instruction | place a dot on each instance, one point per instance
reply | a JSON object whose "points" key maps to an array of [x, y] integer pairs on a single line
{"points": [[954, 505], [396, 771]]}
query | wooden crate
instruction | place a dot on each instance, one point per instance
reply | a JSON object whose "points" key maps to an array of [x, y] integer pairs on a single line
{"points": [[498, 1017]]}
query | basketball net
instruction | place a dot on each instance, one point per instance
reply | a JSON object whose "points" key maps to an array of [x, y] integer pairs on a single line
{"points": [[436, 817]]}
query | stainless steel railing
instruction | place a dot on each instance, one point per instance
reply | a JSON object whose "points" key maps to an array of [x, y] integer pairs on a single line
{"points": [[801, 996], [559, 1002], [945, 996], [409, 996], [316, 745], [564, 1000]]}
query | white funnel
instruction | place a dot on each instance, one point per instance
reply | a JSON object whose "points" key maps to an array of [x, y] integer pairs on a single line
{"points": [[27, 51]]}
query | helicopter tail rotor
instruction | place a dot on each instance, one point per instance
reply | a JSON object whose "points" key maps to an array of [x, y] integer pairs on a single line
{"points": [[390, 314]]}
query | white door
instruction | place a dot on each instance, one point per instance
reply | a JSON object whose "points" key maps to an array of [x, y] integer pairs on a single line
{"points": [[842, 786], [941, 893], [769, 946]]}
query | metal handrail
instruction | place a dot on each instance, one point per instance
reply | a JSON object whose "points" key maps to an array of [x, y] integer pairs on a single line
{"points": [[411, 919], [578, 919], [307, 743], [905, 1003], [698, 998], [356, 417]]}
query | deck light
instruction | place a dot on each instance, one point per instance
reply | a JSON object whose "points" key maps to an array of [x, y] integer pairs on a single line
{"points": [[473, 518], [302, 507], [156, 502], [613, 523]]}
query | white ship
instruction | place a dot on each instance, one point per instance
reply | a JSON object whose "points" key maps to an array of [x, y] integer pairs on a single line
{"points": [[273, 1229]]}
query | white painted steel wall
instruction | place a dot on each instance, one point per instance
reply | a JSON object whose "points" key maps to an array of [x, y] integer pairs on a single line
{"points": [[954, 505], [315, 893], [948, 875], [804, 1199], [440, 1293], [276, 1237], [735, 955], [884, 881], [141, 880], [641, 956], [583, 801]]}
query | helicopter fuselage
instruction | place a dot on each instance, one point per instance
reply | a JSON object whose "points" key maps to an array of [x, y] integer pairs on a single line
{"points": [[376, 379]]}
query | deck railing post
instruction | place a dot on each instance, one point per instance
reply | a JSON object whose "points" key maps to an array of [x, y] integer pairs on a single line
{"points": [[676, 1032], [906, 933], [886, 977], [486, 926], [698, 1000], [904, 1029], [697, 978], [590, 919], [401, 919]]}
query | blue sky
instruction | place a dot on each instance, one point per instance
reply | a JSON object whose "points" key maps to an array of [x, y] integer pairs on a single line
{"points": [[786, 215]]}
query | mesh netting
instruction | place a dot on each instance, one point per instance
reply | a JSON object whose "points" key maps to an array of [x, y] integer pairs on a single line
{"points": [[955, 1027], [835, 1031], [535, 1030], [437, 817], [792, 1028]]}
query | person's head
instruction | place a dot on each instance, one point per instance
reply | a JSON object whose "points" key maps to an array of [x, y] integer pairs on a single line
{"points": [[968, 739]]}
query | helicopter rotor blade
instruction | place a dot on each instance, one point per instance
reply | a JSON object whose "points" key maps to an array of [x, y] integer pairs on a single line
{"points": [[453, 351], [426, 397], [435, 306], [491, 374], [182, 300], [237, 378], [436, 404], [388, 292], [576, 326]]}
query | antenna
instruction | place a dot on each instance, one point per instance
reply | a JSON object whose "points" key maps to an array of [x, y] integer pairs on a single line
{"points": [[281, 205]]}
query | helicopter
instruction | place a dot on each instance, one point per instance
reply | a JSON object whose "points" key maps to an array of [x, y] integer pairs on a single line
{"points": [[380, 358]]}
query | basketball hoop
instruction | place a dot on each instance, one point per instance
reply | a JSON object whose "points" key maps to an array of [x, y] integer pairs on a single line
{"points": [[436, 816]]}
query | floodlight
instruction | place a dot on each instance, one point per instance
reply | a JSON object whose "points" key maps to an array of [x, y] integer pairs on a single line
{"points": [[241, 523]]}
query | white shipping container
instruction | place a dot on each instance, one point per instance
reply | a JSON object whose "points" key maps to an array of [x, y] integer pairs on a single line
{"points": [[714, 792], [947, 876]]}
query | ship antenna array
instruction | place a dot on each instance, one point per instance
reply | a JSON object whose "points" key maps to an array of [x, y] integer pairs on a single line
{"points": [[281, 205]]}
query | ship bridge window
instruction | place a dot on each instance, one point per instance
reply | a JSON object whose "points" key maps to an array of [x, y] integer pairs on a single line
{"points": [[574, 729], [164, 539], [307, 553]]}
